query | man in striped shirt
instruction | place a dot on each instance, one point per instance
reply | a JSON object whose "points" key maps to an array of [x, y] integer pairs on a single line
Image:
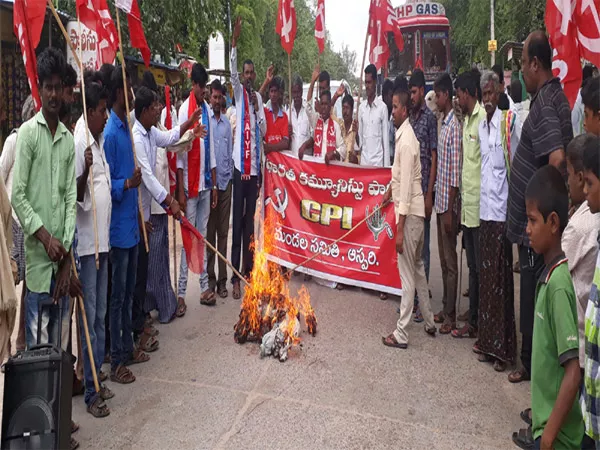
{"points": [[545, 136], [447, 199]]}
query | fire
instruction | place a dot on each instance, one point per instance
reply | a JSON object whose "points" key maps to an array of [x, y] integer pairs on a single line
{"points": [[269, 312]]}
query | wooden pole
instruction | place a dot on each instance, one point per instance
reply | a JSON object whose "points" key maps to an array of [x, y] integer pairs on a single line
{"points": [[87, 136], [290, 89], [64, 32], [129, 125], [86, 330], [176, 281], [362, 68]]}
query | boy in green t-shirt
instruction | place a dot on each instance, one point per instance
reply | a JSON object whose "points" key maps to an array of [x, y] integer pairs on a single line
{"points": [[555, 373]]}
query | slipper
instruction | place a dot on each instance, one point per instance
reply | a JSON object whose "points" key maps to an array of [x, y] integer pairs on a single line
{"points": [[105, 393], [499, 366], [208, 298], [519, 375], [466, 331], [526, 416], [237, 293], [523, 439], [122, 375], [147, 343], [391, 341], [98, 408], [447, 326], [222, 291], [181, 307]]}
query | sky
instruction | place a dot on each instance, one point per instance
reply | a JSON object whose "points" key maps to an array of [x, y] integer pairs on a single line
{"points": [[346, 23]]}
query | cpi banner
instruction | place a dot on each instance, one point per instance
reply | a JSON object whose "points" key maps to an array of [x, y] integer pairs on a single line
{"points": [[315, 204]]}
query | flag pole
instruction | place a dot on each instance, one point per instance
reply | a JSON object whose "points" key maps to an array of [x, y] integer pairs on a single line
{"points": [[141, 210], [290, 88], [175, 280], [65, 34], [87, 136]]}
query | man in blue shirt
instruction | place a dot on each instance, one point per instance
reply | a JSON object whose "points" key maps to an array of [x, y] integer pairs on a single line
{"points": [[218, 222], [124, 230]]}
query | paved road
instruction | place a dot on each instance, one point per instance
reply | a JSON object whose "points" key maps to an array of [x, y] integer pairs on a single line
{"points": [[341, 389]]}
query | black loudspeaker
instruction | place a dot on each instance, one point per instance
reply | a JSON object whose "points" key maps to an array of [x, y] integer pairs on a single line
{"points": [[38, 385]]}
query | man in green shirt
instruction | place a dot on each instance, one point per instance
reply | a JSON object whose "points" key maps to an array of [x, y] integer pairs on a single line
{"points": [[555, 374], [467, 90], [44, 197]]}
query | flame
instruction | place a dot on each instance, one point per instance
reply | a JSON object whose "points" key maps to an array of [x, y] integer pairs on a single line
{"points": [[267, 300]]}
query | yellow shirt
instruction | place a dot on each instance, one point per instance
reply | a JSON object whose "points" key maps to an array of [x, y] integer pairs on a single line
{"points": [[471, 168], [406, 174]]}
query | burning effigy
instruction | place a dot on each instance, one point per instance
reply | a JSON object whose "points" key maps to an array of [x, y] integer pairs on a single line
{"points": [[269, 313]]}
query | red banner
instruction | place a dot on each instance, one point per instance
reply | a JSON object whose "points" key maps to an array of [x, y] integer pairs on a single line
{"points": [[316, 204]]}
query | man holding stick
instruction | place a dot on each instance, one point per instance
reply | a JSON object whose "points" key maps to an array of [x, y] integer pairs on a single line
{"points": [[94, 281], [44, 195], [124, 230], [250, 127]]}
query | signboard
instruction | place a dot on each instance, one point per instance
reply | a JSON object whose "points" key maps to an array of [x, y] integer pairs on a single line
{"points": [[420, 8], [159, 74], [88, 41], [435, 34], [315, 204], [492, 46]]}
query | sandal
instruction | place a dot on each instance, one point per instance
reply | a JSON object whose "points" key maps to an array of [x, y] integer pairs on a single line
{"points": [[98, 408], [74, 427], [519, 375], [222, 291], [105, 393], [102, 377], [237, 293], [181, 307], [122, 375], [73, 445], [523, 438], [208, 298], [466, 331], [147, 344], [447, 326], [391, 341], [439, 317], [138, 357], [499, 366], [418, 316], [526, 416]]}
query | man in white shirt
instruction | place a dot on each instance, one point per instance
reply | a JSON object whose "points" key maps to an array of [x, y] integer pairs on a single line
{"points": [[89, 153], [409, 206], [328, 143], [373, 125], [499, 134], [300, 118], [196, 178], [250, 127]]}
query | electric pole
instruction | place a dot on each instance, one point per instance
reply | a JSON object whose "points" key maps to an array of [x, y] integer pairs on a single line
{"points": [[492, 34]]}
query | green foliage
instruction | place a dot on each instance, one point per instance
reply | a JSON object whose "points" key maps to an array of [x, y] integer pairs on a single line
{"points": [[470, 23]]}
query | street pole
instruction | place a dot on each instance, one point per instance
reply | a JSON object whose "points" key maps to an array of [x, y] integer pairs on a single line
{"points": [[492, 34]]}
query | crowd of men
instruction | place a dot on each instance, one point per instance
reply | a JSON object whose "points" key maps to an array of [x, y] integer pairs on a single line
{"points": [[490, 165]]}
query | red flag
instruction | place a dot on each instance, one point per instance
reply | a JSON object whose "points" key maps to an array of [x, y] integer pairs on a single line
{"points": [[320, 26], [286, 24], [171, 156], [383, 20], [95, 15], [28, 19], [193, 243], [136, 31], [574, 32]]}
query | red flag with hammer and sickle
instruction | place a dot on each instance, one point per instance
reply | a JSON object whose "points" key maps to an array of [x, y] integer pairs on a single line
{"points": [[286, 24], [320, 26], [574, 31]]}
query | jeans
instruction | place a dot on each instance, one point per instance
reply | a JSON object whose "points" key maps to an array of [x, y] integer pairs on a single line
{"points": [[197, 212], [471, 236], [95, 284], [52, 323], [245, 193], [138, 315], [532, 265], [124, 268]]}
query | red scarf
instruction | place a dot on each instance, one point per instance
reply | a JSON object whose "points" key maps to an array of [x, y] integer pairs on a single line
{"points": [[247, 136], [193, 155], [331, 144]]}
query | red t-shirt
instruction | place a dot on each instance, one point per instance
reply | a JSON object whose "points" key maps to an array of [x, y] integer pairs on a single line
{"points": [[277, 127]]}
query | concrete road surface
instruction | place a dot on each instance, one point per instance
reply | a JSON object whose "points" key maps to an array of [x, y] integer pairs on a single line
{"points": [[340, 389]]}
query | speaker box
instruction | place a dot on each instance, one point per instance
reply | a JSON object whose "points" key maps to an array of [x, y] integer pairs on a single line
{"points": [[38, 385]]}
